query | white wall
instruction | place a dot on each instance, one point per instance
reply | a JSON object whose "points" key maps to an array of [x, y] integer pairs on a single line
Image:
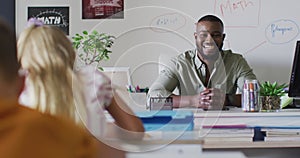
{"points": [[264, 31]]}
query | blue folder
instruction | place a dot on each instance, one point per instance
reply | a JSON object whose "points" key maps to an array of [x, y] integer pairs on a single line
{"points": [[167, 120]]}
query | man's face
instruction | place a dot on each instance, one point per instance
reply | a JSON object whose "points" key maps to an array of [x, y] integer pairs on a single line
{"points": [[209, 39]]}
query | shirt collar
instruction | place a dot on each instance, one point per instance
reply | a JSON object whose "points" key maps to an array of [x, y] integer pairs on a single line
{"points": [[199, 63]]}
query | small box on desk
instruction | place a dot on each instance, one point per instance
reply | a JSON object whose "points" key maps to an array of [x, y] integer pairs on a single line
{"points": [[167, 120]]}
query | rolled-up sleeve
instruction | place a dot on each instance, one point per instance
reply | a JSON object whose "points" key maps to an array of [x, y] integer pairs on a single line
{"points": [[166, 82]]}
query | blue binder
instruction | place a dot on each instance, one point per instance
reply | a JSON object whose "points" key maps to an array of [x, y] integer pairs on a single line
{"points": [[167, 120]]}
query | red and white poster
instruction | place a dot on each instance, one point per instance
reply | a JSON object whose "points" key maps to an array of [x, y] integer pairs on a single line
{"points": [[102, 9]]}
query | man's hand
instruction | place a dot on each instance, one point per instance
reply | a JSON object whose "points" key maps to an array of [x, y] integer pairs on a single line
{"points": [[210, 98]]}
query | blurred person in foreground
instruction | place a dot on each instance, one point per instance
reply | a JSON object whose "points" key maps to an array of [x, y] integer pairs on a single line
{"points": [[53, 86], [25, 132]]}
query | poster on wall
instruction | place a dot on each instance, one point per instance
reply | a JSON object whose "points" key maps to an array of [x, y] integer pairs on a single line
{"points": [[55, 16], [102, 9]]}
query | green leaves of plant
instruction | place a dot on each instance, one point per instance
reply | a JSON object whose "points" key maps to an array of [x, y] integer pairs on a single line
{"points": [[272, 89], [85, 32], [95, 46]]}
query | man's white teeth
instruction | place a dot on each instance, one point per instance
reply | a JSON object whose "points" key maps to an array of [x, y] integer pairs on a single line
{"points": [[208, 46]]}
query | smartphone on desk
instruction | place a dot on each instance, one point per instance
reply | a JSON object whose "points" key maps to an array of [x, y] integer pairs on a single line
{"points": [[225, 108]]}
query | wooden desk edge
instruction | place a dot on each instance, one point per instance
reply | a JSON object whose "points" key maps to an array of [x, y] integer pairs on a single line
{"points": [[160, 142], [241, 145]]}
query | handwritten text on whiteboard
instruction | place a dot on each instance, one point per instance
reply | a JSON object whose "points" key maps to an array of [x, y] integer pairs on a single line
{"points": [[239, 13], [168, 22], [281, 31]]}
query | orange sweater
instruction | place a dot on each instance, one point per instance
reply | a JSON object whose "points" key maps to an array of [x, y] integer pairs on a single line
{"points": [[27, 133]]}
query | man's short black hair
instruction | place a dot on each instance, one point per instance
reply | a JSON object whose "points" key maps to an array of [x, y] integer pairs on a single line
{"points": [[211, 18]]}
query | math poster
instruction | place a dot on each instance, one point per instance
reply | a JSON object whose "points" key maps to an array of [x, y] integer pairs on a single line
{"points": [[102, 9], [55, 16]]}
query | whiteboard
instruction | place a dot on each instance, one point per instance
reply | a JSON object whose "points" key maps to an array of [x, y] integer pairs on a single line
{"points": [[263, 31]]}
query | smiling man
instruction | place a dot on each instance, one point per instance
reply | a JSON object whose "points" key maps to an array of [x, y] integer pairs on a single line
{"points": [[206, 77]]}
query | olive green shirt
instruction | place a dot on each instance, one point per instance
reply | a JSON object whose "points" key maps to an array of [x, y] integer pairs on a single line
{"points": [[186, 72]]}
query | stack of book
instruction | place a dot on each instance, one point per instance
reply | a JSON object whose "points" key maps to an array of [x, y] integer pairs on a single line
{"points": [[227, 133], [283, 134]]}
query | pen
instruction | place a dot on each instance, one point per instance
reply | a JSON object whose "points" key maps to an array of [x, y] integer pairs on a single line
{"points": [[129, 88], [137, 89], [251, 91]]}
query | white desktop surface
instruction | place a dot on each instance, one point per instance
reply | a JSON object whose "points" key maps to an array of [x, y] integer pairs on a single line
{"points": [[223, 154], [287, 118], [186, 154], [172, 151], [259, 149]]}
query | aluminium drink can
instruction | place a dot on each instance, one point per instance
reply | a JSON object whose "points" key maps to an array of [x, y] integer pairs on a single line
{"points": [[250, 96]]}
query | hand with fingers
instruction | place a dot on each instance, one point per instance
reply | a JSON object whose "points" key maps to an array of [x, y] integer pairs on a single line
{"points": [[209, 98]]}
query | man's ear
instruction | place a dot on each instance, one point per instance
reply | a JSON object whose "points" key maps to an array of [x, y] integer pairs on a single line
{"points": [[224, 35], [195, 35]]}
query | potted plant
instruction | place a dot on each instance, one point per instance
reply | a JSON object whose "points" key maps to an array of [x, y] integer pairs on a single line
{"points": [[270, 94], [93, 47]]}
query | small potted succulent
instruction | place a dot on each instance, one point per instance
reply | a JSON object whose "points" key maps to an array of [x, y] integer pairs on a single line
{"points": [[93, 47], [270, 94]]}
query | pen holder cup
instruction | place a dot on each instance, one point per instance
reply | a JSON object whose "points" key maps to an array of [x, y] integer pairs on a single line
{"points": [[161, 103]]}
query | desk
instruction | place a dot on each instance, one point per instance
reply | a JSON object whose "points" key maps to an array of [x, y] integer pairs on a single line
{"points": [[225, 154], [158, 139], [284, 118], [158, 145]]}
